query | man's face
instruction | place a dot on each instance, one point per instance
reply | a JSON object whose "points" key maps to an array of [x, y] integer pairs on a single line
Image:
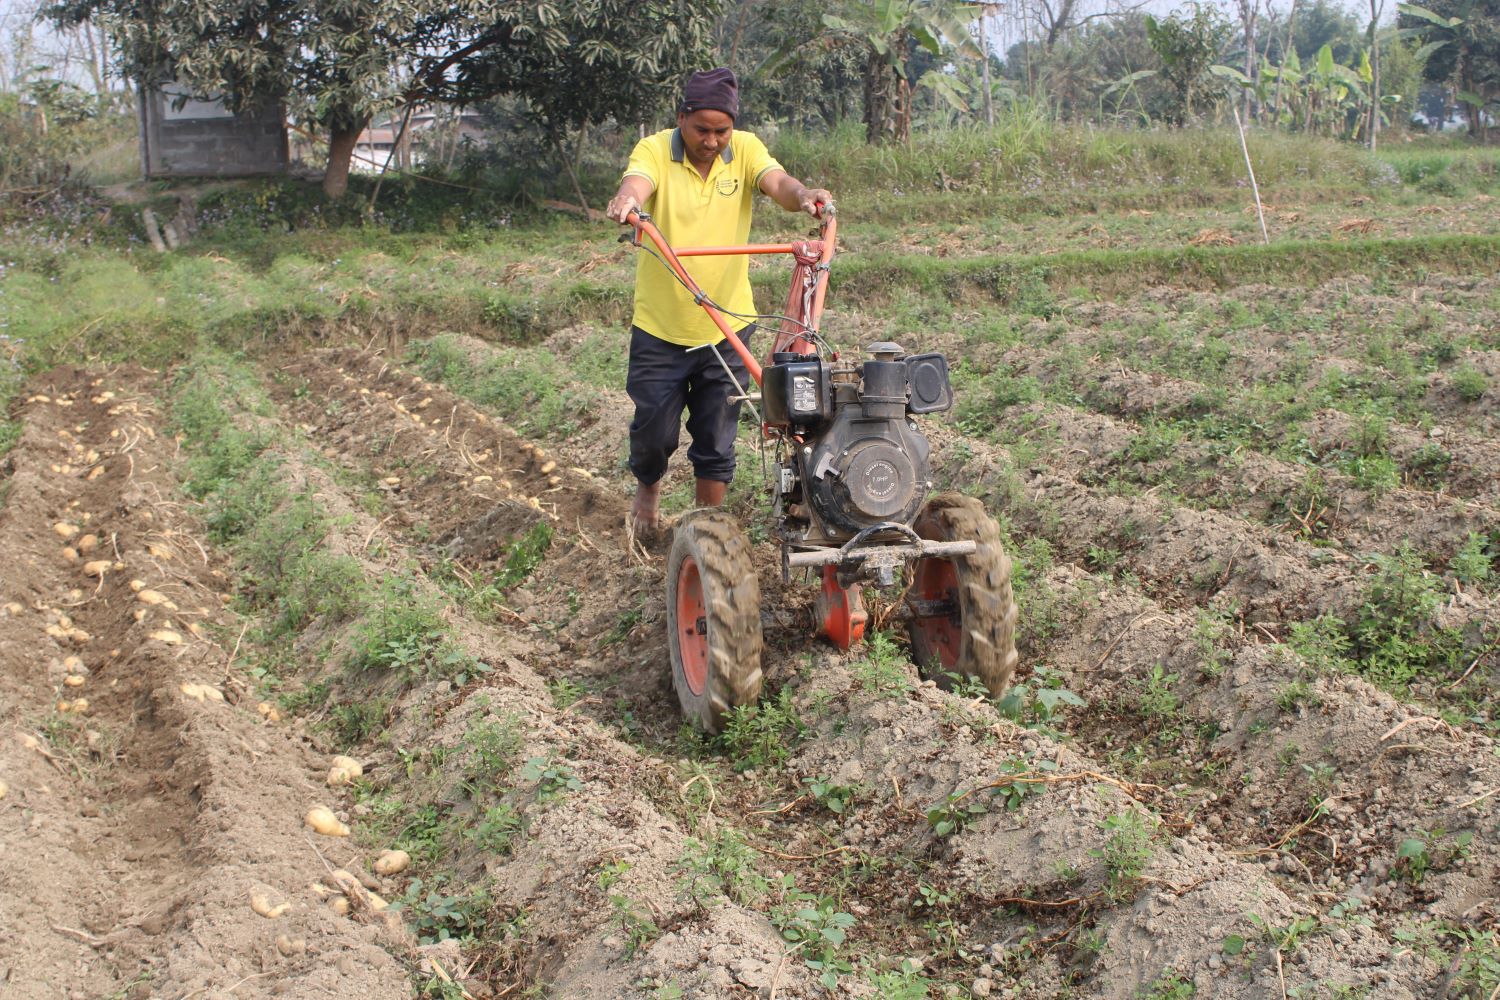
{"points": [[705, 134]]}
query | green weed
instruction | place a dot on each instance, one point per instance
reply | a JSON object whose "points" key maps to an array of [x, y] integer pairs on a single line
{"points": [[553, 778], [524, 555], [1127, 850], [438, 916], [820, 928], [882, 669], [763, 735], [723, 867]]}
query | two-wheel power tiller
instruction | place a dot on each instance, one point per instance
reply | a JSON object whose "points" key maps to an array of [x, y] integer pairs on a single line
{"points": [[851, 504]]}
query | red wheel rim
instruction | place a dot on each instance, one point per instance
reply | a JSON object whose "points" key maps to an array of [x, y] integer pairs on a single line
{"points": [[692, 627], [935, 581]]}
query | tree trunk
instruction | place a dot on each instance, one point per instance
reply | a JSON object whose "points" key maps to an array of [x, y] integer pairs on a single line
{"points": [[341, 142], [984, 56], [1374, 74], [880, 99]]}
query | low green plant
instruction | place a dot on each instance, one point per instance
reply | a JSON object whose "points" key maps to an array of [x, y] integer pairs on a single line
{"points": [[565, 692], [436, 915], [1470, 383], [1295, 693], [635, 922], [493, 745], [1127, 849], [835, 798], [1156, 699], [1209, 629], [882, 669], [554, 779], [524, 555], [405, 632], [903, 983], [820, 928], [1472, 564], [1169, 986], [355, 721], [955, 812], [496, 829], [1033, 701], [722, 867], [763, 735], [1285, 937], [1416, 856]]}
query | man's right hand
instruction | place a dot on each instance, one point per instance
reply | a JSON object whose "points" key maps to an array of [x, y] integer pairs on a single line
{"points": [[620, 207]]}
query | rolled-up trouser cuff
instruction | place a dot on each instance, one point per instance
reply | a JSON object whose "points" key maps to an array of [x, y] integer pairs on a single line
{"points": [[664, 380]]}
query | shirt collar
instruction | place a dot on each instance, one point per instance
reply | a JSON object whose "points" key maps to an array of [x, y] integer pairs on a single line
{"points": [[679, 151]]}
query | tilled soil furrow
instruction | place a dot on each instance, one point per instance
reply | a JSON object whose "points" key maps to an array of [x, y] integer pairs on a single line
{"points": [[591, 874], [1273, 757], [1182, 555], [1098, 450], [171, 801], [1449, 457]]}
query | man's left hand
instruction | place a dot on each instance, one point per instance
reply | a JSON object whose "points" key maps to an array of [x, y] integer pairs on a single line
{"points": [[812, 200]]}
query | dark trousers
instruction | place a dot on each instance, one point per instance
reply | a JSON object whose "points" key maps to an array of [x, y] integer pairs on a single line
{"points": [[664, 380]]}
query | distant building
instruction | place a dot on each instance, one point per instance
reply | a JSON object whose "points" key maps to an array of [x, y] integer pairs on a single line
{"points": [[432, 132], [186, 136]]}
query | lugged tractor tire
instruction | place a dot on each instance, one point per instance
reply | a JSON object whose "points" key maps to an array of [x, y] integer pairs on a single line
{"points": [[963, 612], [713, 618]]}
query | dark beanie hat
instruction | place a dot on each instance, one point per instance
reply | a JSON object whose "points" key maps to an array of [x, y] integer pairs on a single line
{"points": [[714, 90]]}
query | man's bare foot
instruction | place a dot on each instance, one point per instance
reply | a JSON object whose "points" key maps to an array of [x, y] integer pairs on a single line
{"points": [[710, 493], [645, 510]]}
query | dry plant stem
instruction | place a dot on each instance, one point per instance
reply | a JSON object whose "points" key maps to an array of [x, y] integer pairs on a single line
{"points": [[78, 935], [1033, 778], [1475, 801], [806, 857], [1128, 629], [1319, 811], [1280, 974]]}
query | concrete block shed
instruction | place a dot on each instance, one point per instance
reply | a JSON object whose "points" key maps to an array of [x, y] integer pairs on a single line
{"points": [[184, 136]]}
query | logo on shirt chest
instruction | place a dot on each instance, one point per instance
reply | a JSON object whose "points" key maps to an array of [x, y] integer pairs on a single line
{"points": [[727, 186]]}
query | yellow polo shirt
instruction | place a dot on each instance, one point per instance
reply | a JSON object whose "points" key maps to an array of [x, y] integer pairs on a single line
{"points": [[694, 211]]}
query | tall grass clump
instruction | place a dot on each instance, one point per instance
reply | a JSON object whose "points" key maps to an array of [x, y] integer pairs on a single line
{"points": [[1028, 150], [1445, 170]]}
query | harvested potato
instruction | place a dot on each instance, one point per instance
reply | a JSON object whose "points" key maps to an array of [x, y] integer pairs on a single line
{"points": [[87, 544], [323, 821], [392, 862], [77, 706], [339, 905], [64, 529], [291, 946], [73, 681], [97, 567], [268, 711], [260, 902], [70, 554], [74, 665], [339, 776], [547, 467], [167, 636], [201, 692], [354, 767], [12, 608], [156, 598]]}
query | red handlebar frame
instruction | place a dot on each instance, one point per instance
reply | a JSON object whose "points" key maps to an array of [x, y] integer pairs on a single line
{"points": [[803, 310]]}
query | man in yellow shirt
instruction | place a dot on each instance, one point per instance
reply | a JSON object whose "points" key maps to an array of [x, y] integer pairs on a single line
{"points": [[698, 182]]}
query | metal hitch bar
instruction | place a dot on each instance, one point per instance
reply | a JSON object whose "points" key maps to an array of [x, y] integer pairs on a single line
{"points": [[861, 555]]}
